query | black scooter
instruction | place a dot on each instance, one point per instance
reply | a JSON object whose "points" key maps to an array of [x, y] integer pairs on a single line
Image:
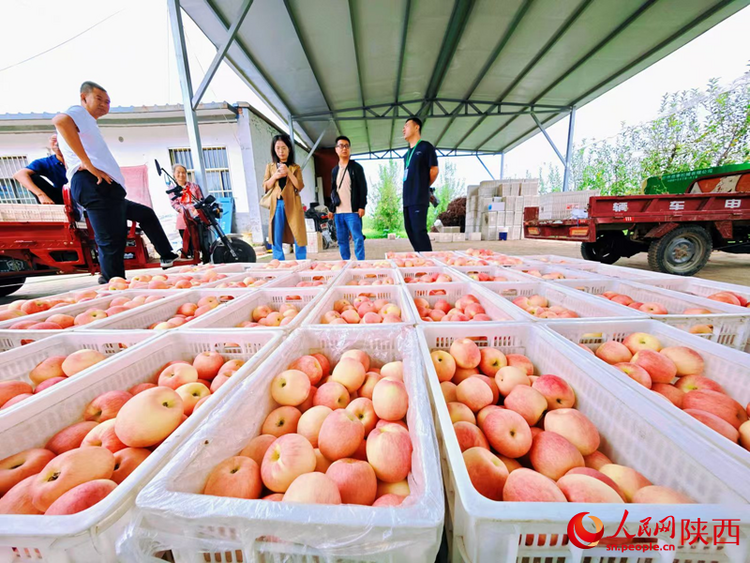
{"points": [[204, 226], [323, 225]]}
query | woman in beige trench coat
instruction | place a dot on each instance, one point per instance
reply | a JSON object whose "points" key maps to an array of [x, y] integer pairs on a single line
{"points": [[284, 178]]}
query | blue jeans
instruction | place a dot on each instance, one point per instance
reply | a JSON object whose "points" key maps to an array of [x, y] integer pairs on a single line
{"points": [[347, 223], [279, 222]]}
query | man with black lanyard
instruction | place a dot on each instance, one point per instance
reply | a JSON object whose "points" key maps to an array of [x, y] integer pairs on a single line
{"points": [[420, 172], [348, 199]]}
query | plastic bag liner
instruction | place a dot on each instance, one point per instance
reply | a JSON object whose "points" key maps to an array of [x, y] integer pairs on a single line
{"points": [[173, 515]]}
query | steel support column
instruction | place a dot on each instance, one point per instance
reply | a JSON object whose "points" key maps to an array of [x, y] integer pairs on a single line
{"points": [[186, 85], [290, 124], [569, 149], [502, 165]]}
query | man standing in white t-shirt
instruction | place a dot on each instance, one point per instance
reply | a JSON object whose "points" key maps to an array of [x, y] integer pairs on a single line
{"points": [[96, 183], [348, 200]]}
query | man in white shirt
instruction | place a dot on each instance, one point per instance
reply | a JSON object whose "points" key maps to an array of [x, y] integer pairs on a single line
{"points": [[97, 184], [348, 200]]}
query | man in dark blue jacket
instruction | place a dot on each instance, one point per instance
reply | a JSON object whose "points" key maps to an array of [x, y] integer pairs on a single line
{"points": [[45, 177], [349, 199]]}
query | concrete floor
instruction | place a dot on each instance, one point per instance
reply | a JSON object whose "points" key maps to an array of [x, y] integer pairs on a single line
{"points": [[732, 268]]}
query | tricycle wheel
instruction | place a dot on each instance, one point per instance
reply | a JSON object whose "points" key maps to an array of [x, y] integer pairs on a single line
{"points": [[606, 249], [681, 252], [221, 255], [11, 285]]}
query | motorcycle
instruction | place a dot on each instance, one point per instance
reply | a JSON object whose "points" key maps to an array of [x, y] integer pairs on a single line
{"points": [[323, 225], [203, 230]]}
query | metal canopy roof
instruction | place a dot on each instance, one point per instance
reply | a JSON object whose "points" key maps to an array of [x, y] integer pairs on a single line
{"points": [[474, 70]]}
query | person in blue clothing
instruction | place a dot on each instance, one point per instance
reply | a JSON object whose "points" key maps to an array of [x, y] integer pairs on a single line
{"points": [[349, 185], [45, 177], [420, 172]]}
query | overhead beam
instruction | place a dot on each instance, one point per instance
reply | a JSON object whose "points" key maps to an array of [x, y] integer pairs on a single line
{"points": [[585, 58], [221, 52], [186, 86], [313, 67], [282, 111], [485, 167], [515, 22], [561, 31], [359, 67], [315, 146], [404, 31], [549, 139], [705, 15], [456, 26]]}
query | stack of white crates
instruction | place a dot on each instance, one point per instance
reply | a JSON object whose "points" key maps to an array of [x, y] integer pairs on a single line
{"points": [[565, 205], [496, 207], [314, 238]]}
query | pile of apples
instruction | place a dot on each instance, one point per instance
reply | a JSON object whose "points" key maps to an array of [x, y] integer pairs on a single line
{"points": [[465, 309], [279, 265], [730, 297], [485, 277], [460, 261], [494, 257], [266, 315], [250, 281], [161, 281], [410, 255], [84, 462], [537, 274], [676, 373], [62, 321], [24, 307], [363, 310], [198, 268], [372, 264], [421, 277], [47, 373], [522, 438], [371, 279], [328, 266], [418, 262], [538, 306], [338, 436], [652, 308], [188, 311]]}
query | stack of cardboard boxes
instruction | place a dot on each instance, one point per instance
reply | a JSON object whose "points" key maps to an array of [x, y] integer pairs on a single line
{"points": [[494, 209]]}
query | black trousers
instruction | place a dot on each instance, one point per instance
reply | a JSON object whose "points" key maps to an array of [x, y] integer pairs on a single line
{"points": [[49, 190], [106, 209], [415, 224], [108, 212]]}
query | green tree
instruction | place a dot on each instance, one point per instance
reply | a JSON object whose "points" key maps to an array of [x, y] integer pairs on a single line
{"points": [[448, 187], [386, 197]]}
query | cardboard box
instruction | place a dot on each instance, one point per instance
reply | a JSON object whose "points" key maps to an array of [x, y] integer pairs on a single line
{"points": [[314, 242]]}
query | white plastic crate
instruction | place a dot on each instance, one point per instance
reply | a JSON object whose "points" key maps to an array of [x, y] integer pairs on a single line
{"points": [[370, 276], [291, 279], [290, 265], [727, 326], [198, 528], [587, 306], [618, 272], [418, 272], [371, 264], [510, 274], [65, 295], [142, 318], [10, 339], [337, 264], [16, 364], [272, 279], [233, 313], [699, 287], [233, 268], [495, 307], [561, 205], [19, 212], [555, 259], [634, 433], [729, 368], [569, 273], [392, 293], [90, 536]]}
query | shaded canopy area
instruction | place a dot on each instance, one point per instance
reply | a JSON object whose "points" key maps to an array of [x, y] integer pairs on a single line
{"points": [[474, 70]]}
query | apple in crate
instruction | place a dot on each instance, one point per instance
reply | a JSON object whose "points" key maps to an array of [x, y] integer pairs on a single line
{"points": [[149, 417]]}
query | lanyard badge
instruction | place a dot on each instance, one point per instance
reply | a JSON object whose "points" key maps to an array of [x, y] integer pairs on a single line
{"points": [[409, 154]]}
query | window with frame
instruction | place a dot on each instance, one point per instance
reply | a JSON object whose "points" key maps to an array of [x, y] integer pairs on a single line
{"points": [[10, 190], [217, 169]]}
